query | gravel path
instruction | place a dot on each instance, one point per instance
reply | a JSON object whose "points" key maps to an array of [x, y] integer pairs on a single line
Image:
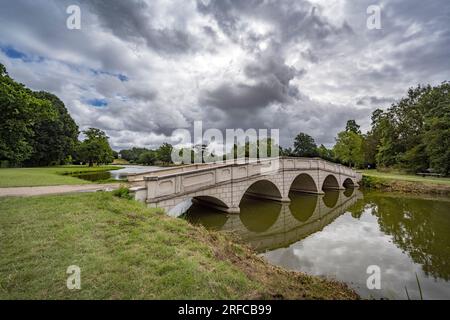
{"points": [[37, 191]]}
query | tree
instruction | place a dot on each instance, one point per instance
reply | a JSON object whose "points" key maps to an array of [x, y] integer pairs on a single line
{"points": [[352, 126], [304, 146], [437, 141], [148, 157], [55, 138], [95, 148], [325, 153], [372, 139], [349, 148], [413, 133], [164, 153], [35, 127], [20, 112], [133, 154]]}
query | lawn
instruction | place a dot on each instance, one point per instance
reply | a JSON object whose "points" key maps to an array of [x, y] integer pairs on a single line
{"points": [[405, 177], [45, 176], [127, 251]]}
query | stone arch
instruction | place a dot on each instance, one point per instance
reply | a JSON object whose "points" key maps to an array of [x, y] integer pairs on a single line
{"points": [[303, 206], [182, 205], [330, 183], [304, 183], [264, 189], [258, 216], [348, 183], [331, 198], [212, 219], [348, 192], [210, 201]]}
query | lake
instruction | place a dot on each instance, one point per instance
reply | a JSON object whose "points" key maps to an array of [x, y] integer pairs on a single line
{"points": [[119, 174], [343, 233]]}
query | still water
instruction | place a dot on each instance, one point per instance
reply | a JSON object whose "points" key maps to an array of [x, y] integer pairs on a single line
{"points": [[341, 234], [120, 174]]}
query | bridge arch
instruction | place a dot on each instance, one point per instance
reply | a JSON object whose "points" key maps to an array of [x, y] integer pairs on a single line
{"points": [[331, 198], [258, 216], [210, 201], [348, 183], [348, 192], [264, 189], [330, 182], [178, 206], [303, 183], [303, 206]]}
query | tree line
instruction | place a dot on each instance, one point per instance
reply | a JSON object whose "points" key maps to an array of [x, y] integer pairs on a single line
{"points": [[159, 156], [37, 130], [412, 135]]}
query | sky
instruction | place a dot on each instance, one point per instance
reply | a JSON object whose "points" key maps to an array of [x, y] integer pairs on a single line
{"points": [[141, 69]]}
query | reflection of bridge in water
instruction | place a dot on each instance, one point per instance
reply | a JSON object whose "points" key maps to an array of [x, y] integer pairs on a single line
{"points": [[266, 225]]}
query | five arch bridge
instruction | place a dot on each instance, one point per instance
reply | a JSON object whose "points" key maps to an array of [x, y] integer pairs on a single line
{"points": [[223, 185]]}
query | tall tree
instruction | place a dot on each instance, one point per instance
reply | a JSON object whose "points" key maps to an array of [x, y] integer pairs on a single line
{"points": [[20, 112], [305, 146], [55, 138], [325, 153], [165, 153], [95, 148], [352, 126], [349, 148], [413, 131], [148, 157]]}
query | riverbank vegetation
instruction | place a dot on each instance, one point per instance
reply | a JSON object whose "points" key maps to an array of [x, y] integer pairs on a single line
{"points": [[46, 176], [127, 251]]}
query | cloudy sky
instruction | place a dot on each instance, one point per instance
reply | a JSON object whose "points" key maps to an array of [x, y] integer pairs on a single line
{"points": [[141, 69]]}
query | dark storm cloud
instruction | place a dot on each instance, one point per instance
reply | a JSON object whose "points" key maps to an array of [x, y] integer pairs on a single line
{"points": [[243, 98]]}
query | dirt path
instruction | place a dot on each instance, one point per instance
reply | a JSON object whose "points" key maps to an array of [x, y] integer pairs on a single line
{"points": [[37, 191]]}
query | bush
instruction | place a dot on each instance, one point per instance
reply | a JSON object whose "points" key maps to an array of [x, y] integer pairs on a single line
{"points": [[123, 192]]}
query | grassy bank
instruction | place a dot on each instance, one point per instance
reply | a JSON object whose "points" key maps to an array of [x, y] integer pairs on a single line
{"points": [[405, 183], [127, 251], [46, 176]]}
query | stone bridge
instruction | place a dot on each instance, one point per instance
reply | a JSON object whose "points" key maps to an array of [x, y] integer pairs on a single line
{"points": [[223, 185]]}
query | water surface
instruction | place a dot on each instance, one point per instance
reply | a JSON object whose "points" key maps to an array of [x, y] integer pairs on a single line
{"points": [[340, 234], [120, 174]]}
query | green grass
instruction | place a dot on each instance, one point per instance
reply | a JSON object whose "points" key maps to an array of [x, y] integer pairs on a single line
{"points": [[127, 251], [46, 176], [405, 177]]}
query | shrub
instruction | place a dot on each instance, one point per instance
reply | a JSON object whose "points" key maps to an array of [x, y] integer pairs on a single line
{"points": [[123, 192]]}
